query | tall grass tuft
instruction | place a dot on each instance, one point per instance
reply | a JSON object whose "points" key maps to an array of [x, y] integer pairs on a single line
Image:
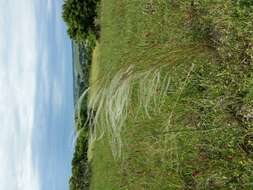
{"points": [[109, 105]]}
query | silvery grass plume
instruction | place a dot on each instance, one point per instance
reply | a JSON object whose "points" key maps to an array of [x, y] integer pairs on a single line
{"points": [[78, 111], [109, 105]]}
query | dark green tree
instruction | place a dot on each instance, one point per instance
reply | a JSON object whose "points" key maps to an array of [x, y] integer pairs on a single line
{"points": [[79, 16], [80, 165]]}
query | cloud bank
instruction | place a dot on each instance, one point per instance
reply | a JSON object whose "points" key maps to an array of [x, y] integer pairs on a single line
{"points": [[18, 65]]}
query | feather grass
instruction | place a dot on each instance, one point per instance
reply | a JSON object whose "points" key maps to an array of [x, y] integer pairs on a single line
{"points": [[109, 107]]}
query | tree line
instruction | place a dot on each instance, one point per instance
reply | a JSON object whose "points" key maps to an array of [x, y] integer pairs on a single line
{"points": [[80, 17]]}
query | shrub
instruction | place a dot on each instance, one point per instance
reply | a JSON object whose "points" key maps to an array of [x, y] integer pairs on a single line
{"points": [[79, 16]]}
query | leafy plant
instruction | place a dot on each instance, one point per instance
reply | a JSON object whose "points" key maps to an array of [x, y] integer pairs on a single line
{"points": [[79, 16]]}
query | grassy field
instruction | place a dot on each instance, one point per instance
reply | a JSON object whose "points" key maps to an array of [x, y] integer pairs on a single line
{"points": [[171, 88]]}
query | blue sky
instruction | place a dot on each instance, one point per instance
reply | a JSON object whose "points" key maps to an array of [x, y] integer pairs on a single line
{"points": [[36, 96]]}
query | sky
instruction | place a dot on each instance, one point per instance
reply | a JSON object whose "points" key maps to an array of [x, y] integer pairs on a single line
{"points": [[36, 96]]}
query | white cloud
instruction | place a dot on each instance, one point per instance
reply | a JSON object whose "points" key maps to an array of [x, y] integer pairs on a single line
{"points": [[18, 64], [49, 6]]}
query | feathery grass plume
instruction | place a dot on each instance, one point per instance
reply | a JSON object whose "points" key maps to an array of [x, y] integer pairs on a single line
{"points": [[80, 124], [153, 88], [80, 102], [109, 106]]}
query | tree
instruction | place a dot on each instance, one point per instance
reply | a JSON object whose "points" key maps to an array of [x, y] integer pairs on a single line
{"points": [[79, 16]]}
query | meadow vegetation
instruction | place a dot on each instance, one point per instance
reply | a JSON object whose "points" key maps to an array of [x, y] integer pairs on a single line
{"points": [[170, 99], [173, 96]]}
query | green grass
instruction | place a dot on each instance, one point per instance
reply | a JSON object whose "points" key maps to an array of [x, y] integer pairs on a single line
{"points": [[173, 111]]}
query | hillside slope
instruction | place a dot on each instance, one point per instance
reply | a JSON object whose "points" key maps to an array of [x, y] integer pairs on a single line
{"points": [[173, 96]]}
